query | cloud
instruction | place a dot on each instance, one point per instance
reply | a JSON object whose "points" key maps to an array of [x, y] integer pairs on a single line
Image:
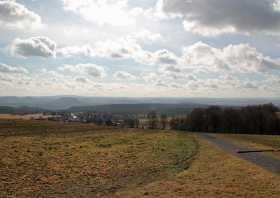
{"points": [[34, 46], [8, 69], [146, 36], [232, 58], [122, 75], [154, 13], [112, 12], [250, 85], [94, 70], [165, 57], [90, 70], [171, 69], [16, 15], [10, 75], [205, 69], [116, 12], [203, 55], [161, 83], [41, 46], [81, 80], [150, 77], [128, 48], [5, 79], [159, 57], [172, 72], [74, 51], [123, 48], [120, 49], [214, 17]]}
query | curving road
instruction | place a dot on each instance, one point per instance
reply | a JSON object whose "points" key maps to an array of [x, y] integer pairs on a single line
{"points": [[261, 159]]}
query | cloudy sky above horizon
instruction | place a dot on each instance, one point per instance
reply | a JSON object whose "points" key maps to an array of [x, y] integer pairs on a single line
{"points": [[147, 48]]}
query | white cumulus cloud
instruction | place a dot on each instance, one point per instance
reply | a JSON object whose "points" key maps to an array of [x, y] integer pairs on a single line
{"points": [[16, 15], [34, 46], [239, 58], [75, 51], [88, 69]]}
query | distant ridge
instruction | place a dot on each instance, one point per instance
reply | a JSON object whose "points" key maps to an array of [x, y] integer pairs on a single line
{"points": [[66, 102], [20, 110], [138, 108]]}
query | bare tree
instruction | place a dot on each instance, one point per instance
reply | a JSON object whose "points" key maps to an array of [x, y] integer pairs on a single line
{"points": [[152, 120], [163, 121]]}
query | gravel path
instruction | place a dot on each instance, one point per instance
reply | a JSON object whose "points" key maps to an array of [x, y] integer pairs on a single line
{"points": [[261, 159]]}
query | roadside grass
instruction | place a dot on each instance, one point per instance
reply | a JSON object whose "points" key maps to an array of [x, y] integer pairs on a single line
{"points": [[75, 160], [256, 141], [213, 174]]}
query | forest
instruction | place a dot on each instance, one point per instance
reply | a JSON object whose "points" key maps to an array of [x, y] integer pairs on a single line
{"points": [[259, 119]]}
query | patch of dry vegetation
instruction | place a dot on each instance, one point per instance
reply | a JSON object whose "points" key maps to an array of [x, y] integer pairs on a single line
{"points": [[214, 174], [23, 117], [75, 160], [10, 117], [34, 127]]}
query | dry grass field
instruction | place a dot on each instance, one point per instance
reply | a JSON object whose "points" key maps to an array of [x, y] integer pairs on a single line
{"points": [[33, 127], [213, 174], [49, 159], [23, 117]]}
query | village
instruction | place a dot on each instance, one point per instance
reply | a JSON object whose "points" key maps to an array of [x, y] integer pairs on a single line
{"points": [[151, 120]]}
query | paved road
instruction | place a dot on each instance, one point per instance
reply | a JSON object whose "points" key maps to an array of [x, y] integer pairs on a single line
{"points": [[267, 162]]}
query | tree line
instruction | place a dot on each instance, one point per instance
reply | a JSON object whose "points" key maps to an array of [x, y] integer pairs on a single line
{"points": [[258, 119]]}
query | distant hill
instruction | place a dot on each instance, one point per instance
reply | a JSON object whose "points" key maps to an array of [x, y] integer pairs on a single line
{"points": [[50, 103], [65, 102], [20, 110], [138, 108], [6, 110]]}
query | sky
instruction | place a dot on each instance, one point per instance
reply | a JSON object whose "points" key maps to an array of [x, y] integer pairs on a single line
{"points": [[140, 48]]}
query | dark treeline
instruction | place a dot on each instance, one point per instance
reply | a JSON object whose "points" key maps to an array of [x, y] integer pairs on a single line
{"points": [[261, 119]]}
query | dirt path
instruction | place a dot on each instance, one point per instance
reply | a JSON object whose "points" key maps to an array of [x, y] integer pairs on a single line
{"points": [[261, 159]]}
